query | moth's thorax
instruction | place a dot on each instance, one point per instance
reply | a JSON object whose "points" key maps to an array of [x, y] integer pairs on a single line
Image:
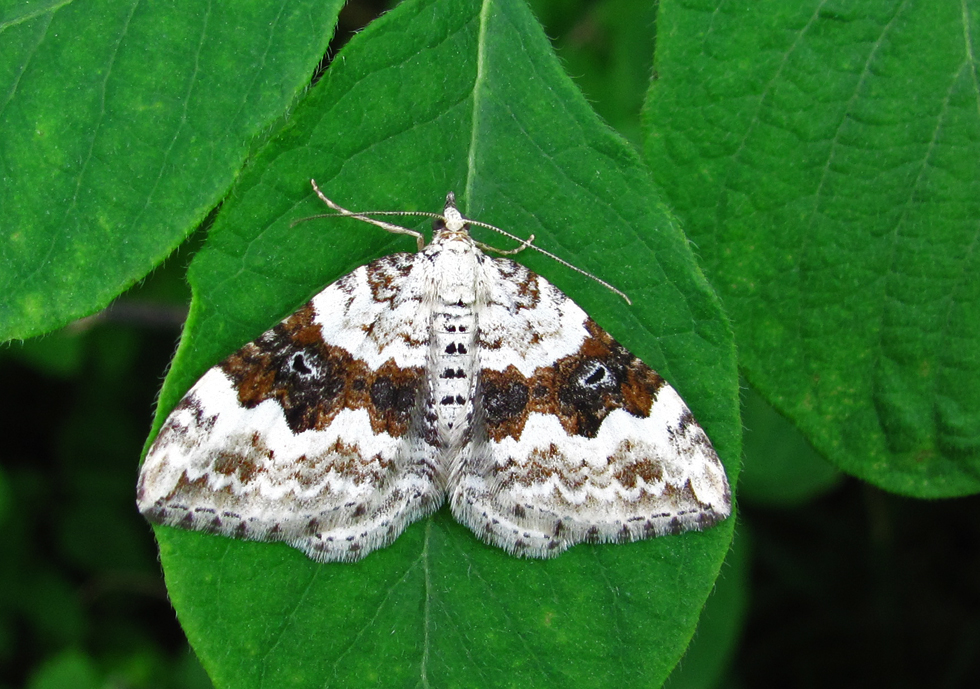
{"points": [[455, 266]]}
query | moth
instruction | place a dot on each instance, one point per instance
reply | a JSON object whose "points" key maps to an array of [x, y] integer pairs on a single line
{"points": [[427, 377]]}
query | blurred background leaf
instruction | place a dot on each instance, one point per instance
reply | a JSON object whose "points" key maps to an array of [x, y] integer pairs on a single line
{"points": [[780, 469]]}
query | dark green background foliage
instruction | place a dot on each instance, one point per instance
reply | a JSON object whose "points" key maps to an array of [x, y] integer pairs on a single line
{"points": [[822, 158]]}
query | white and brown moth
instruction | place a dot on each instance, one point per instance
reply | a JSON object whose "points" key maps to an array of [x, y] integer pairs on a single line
{"points": [[443, 374]]}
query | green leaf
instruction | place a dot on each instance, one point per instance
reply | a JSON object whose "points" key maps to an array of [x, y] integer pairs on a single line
{"points": [[68, 670], [711, 651], [607, 48], [122, 125], [780, 469], [463, 96], [825, 158]]}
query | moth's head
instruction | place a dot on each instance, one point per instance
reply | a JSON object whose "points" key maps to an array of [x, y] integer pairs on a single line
{"points": [[452, 220]]}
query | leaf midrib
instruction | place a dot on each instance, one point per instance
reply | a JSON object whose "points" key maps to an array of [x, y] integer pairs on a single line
{"points": [[478, 84]]}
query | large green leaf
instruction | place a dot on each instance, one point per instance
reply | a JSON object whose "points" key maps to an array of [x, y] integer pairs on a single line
{"points": [[706, 664], [121, 125], [463, 96], [825, 158]]}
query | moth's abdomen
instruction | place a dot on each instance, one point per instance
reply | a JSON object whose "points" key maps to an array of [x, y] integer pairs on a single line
{"points": [[454, 356]]}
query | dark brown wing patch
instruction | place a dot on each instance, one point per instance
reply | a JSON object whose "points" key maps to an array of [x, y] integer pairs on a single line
{"points": [[313, 381], [580, 389]]}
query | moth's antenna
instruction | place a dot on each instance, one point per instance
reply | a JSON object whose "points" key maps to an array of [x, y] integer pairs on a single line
{"points": [[550, 255], [398, 229]]}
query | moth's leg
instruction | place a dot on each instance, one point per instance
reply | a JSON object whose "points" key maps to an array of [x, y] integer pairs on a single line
{"points": [[394, 229], [506, 252]]}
